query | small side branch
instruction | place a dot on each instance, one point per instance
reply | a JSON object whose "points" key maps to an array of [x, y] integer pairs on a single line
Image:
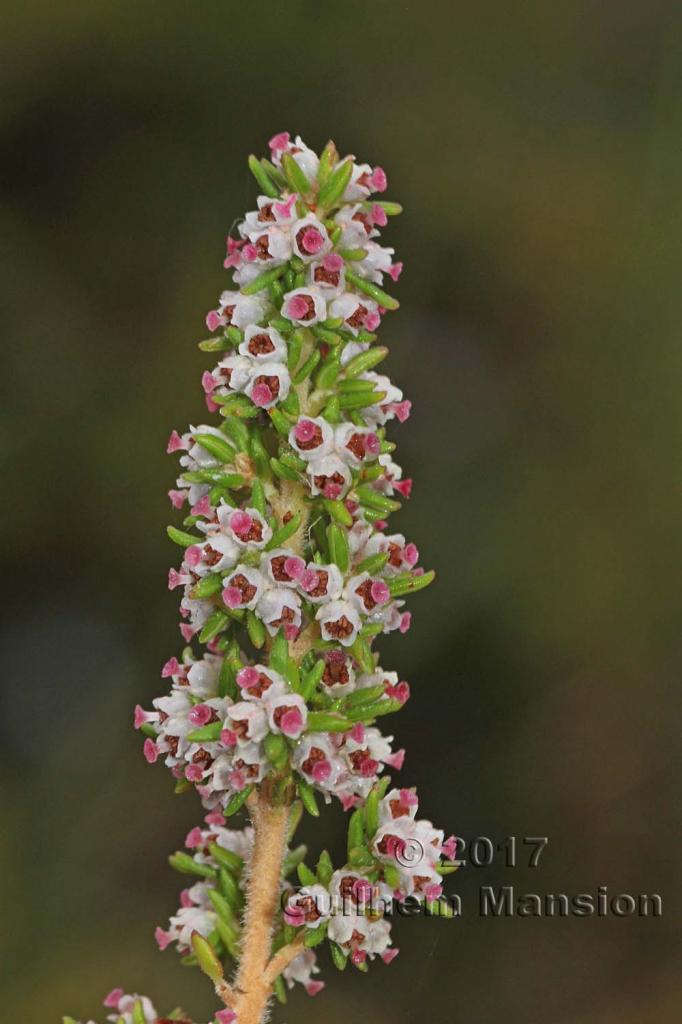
{"points": [[282, 959], [226, 993]]}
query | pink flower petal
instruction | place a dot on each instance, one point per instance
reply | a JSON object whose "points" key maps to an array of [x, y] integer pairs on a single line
{"points": [[150, 751], [114, 998], [163, 939]]}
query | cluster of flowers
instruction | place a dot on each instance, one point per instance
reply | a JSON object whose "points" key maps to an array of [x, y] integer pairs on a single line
{"points": [[219, 744], [212, 906], [285, 230], [393, 857], [136, 1009], [288, 573]]}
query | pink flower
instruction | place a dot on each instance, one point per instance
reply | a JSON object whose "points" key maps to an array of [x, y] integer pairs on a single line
{"points": [[277, 143], [177, 498], [200, 715], [379, 179], [194, 838], [150, 751], [114, 998], [291, 722], [163, 938], [241, 523], [449, 848]]}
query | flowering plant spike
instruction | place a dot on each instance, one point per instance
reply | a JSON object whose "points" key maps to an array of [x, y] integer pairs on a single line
{"points": [[288, 573]]}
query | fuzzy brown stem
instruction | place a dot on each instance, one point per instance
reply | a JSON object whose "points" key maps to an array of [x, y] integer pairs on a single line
{"points": [[253, 987], [283, 958], [257, 970]]}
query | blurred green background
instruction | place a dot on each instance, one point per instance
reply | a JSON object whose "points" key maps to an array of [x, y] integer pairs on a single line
{"points": [[536, 149]]}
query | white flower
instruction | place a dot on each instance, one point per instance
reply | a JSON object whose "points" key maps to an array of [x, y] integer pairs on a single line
{"points": [[217, 553], [305, 157], [339, 675], [355, 444], [233, 372], [304, 306], [359, 185], [355, 228], [316, 758], [242, 310], [125, 1005], [264, 344], [355, 311], [309, 238], [202, 677], [278, 607], [287, 713], [310, 906], [270, 211], [329, 476], [197, 457], [246, 526], [339, 621], [376, 263], [248, 721], [257, 680], [271, 247], [312, 438], [269, 384], [283, 567], [191, 919], [243, 587], [383, 412], [301, 970], [321, 583], [327, 274]]}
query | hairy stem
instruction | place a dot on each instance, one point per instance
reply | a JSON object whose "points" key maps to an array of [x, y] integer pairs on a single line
{"points": [[257, 970], [253, 986]]}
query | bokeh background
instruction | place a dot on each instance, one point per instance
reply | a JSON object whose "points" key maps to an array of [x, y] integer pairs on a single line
{"points": [[536, 149]]}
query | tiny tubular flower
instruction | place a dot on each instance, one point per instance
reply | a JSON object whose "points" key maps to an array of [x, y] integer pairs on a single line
{"points": [[309, 907], [279, 607], [232, 373], [305, 157], [327, 274], [243, 588], [321, 583], [263, 344], [355, 311], [287, 713], [310, 239], [248, 721], [356, 444], [237, 310], [312, 438], [283, 567], [304, 306], [268, 385], [339, 620], [247, 526], [329, 476]]}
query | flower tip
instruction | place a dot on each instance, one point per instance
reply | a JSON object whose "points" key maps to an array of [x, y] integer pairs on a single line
{"points": [[163, 938], [113, 998], [279, 142], [150, 751]]}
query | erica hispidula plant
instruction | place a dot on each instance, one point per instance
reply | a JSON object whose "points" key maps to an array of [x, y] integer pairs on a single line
{"points": [[288, 574]]}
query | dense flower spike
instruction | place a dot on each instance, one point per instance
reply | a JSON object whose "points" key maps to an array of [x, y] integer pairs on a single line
{"points": [[287, 573]]}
